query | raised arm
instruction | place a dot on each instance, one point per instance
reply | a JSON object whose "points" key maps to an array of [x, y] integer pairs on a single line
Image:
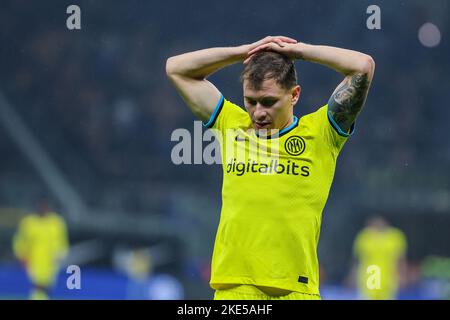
{"points": [[348, 98], [358, 68], [188, 73]]}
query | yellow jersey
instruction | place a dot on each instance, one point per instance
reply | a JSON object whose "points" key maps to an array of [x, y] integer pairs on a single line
{"points": [[382, 250], [272, 202], [42, 242]]}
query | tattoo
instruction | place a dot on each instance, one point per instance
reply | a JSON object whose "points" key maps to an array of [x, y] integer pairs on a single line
{"points": [[348, 99]]}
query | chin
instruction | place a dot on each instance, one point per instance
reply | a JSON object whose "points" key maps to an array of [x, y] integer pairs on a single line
{"points": [[266, 127]]}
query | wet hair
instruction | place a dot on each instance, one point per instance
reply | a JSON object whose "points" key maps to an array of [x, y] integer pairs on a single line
{"points": [[267, 65]]}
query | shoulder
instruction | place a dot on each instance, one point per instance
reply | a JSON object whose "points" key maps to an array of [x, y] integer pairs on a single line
{"points": [[397, 233], [28, 222], [319, 112], [235, 108], [56, 218], [362, 240], [311, 120], [317, 118], [324, 115], [28, 219], [364, 234], [321, 123], [227, 115]]}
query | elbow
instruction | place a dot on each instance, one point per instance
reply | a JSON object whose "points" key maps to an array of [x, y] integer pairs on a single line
{"points": [[170, 67], [368, 66]]}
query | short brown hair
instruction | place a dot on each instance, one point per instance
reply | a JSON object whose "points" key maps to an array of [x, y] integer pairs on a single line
{"points": [[266, 65]]}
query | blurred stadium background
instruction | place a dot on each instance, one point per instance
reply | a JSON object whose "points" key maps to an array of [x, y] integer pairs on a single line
{"points": [[86, 118]]}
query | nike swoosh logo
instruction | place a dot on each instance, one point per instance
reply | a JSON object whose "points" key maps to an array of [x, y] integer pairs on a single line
{"points": [[238, 138]]}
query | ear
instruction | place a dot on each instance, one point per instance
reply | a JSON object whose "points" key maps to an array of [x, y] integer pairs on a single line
{"points": [[295, 94]]}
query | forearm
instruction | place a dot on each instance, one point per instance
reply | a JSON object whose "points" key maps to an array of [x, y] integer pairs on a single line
{"points": [[345, 61], [348, 99], [200, 64]]}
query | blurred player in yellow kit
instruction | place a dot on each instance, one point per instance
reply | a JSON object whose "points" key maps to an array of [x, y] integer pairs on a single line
{"points": [[380, 250], [41, 243]]}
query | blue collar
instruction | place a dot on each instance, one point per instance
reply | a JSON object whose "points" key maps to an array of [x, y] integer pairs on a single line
{"points": [[282, 131]]}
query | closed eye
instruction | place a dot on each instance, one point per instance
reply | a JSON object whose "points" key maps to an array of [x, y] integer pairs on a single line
{"points": [[251, 101], [264, 102], [268, 103]]}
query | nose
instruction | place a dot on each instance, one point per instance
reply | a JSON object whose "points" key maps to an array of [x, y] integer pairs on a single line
{"points": [[260, 112]]}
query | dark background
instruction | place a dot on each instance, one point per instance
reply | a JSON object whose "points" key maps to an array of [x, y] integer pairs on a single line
{"points": [[98, 104]]}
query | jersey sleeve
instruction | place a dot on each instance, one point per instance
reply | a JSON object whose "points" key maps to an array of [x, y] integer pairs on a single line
{"points": [[226, 115], [329, 130]]}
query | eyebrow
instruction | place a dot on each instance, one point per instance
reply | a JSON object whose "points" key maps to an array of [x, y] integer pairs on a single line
{"points": [[262, 98]]}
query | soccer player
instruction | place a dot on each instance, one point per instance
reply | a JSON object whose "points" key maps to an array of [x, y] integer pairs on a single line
{"points": [[40, 243], [271, 214], [380, 250]]}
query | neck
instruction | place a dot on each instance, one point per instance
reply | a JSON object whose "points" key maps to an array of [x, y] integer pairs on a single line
{"points": [[288, 122]]}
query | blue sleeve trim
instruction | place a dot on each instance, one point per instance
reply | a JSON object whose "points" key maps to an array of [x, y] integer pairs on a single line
{"points": [[338, 129], [215, 114]]}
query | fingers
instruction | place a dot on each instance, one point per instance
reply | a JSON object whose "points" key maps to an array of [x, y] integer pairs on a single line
{"points": [[282, 38], [277, 39], [263, 47], [287, 39], [267, 46], [273, 43], [280, 42], [247, 60]]}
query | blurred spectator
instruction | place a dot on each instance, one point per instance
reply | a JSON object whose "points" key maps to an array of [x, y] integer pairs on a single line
{"points": [[380, 250], [40, 244]]}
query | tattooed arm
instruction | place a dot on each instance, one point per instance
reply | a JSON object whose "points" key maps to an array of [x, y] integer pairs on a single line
{"points": [[348, 99], [358, 68]]}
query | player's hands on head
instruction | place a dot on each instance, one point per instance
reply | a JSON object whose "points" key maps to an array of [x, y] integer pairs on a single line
{"points": [[275, 39], [280, 44]]}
